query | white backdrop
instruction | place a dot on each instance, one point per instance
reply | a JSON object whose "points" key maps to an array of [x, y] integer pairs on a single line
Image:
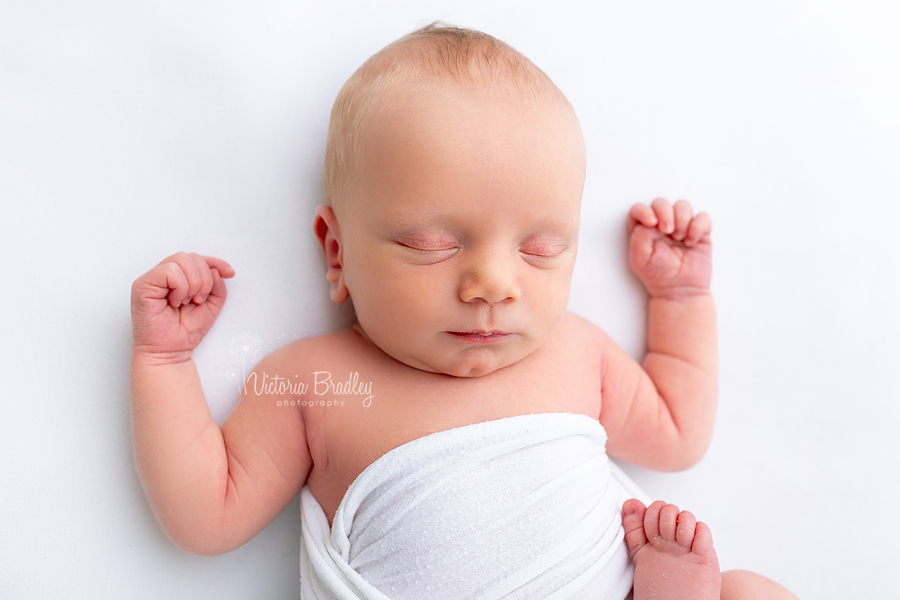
{"points": [[130, 131]]}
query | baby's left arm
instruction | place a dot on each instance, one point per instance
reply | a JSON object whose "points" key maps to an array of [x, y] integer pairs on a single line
{"points": [[660, 414]]}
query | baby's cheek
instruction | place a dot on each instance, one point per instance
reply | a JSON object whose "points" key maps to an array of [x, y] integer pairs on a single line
{"points": [[396, 301], [554, 299]]}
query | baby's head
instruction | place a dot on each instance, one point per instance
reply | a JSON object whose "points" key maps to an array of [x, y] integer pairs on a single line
{"points": [[454, 171]]}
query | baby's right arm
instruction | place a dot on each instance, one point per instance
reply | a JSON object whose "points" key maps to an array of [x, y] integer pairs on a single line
{"points": [[211, 489]]}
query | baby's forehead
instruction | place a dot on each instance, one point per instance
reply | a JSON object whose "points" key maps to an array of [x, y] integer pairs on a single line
{"points": [[414, 79], [439, 111], [411, 67]]}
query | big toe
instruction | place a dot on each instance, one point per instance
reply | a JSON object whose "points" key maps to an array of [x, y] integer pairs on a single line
{"points": [[633, 522]]}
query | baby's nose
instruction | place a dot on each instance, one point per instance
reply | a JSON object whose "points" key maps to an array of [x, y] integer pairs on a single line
{"points": [[492, 279]]}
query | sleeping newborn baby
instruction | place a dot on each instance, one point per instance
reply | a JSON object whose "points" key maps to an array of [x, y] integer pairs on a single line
{"points": [[453, 442]]}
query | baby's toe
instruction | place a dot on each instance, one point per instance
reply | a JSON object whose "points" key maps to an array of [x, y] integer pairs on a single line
{"points": [[633, 523], [703, 542], [684, 533], [651, 519], [668, 522]]}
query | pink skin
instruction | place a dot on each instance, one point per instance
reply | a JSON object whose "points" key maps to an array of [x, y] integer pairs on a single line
{"points": [[671, 251], [467, 224], [458, 257], [672, 552], [175, 303]]}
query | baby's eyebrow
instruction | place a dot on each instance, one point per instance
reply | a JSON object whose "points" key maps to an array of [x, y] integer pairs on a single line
{"points": [[423, 230], [555, 228], [444, 226]]}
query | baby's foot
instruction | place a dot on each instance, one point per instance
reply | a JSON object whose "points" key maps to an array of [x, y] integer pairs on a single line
{"points": [[673, 554]]}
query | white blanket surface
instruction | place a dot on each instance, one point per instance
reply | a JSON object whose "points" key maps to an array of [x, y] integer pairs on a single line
{"points": [[523, 507]]}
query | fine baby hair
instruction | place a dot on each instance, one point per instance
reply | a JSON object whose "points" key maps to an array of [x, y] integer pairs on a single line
{"points": [[432, 56]]}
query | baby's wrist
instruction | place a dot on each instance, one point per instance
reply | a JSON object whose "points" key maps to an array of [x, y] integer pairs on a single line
{"points": [[680, 293], [144, 356]]}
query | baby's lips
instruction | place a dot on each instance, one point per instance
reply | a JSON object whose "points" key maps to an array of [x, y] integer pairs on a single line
{"points": [[484, 332]]}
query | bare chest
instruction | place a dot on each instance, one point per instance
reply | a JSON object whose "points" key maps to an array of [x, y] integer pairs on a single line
{"points": [[374, 404]]}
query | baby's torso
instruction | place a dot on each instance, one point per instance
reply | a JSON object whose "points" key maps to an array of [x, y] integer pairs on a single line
{"points": [[351, 433]]}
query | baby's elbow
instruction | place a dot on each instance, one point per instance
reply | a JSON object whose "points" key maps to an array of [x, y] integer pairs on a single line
{"points": [[201, 547], [685, 457], [196, 550], [684, 463], [199, 541]]}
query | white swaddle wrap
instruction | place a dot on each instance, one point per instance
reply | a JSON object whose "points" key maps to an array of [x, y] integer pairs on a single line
{"points": [[519, 507]]}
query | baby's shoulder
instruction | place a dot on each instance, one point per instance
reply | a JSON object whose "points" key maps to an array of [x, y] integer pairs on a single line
{"points": [[318, 349], [575, 339], [576, 332], [576, 327]]}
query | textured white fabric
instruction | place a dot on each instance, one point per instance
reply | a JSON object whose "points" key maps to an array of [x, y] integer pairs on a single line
{"points": [[519, 507]]}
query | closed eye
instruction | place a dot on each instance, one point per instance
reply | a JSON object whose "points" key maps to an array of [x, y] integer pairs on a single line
{"points": [[542, 258], [427, 256], [424, 249], [543, 247]]}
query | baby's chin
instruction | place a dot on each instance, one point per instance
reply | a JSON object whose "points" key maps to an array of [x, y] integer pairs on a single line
{"points": [[471, 362], [441, 356]]}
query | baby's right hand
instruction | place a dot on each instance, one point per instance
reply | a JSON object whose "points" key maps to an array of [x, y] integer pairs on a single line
{"points": [[175, 303]]}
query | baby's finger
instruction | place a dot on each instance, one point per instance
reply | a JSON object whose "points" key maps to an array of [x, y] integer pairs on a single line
{"points": [[191, 272], [220, 265], [665, 215], [206, 278], [217, 295], [176, 281], [683, 212], [643, 214], [700, 227]]}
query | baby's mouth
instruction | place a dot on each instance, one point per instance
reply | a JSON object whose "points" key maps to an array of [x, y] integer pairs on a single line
{"points": [[481, 336]]}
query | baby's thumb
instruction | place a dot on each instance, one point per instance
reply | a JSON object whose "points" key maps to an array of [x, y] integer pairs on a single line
{"points": [[218, 293]]}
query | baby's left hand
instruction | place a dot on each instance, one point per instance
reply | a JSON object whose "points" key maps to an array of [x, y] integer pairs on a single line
{"points": [[670, 249]]}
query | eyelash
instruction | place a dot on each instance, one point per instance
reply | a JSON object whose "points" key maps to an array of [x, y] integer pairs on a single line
{"points": [[430, 250], [425, 249]]}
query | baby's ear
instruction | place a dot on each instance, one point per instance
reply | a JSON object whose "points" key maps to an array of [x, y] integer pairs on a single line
{"points": [[329, 234]]}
